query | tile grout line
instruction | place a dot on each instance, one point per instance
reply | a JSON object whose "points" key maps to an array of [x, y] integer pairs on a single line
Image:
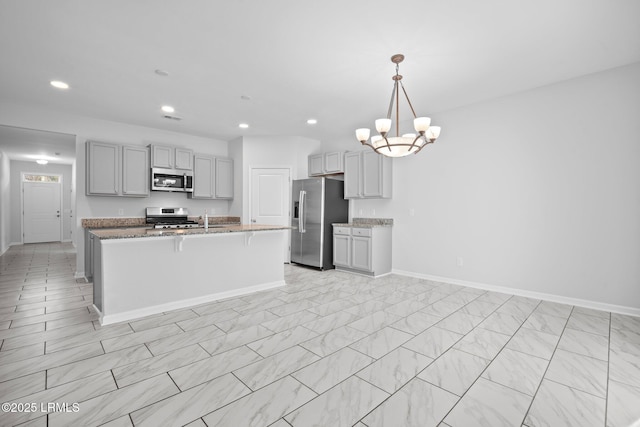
{"points": [[489, 364], [547, 368]]}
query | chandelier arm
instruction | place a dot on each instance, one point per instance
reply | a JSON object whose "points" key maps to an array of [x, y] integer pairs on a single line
{"points": [[414, 142], [388, 145], [408, 101], [393, 94]]}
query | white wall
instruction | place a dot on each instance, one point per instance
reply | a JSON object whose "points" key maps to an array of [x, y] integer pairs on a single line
{"points": [[281, 151], [539, 191], [86, 128], [5, 195], [17, 168], [236, 148]]}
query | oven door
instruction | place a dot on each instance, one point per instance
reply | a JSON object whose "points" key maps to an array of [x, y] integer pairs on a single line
{"points": [[171, 180]]}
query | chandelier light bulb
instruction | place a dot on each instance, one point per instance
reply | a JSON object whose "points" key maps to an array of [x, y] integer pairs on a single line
{"points": [[421, 124], [362, 134], [383, 125], [433, 133]]}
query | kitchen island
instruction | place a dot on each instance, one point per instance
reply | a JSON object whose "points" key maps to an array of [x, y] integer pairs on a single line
{"points": [[141, 271]]}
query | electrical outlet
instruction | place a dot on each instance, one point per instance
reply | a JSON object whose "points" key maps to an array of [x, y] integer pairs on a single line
{"points": [[213, 211], [373, 212], [412, 212], [360, 212], [460, 261], [120, 211]]}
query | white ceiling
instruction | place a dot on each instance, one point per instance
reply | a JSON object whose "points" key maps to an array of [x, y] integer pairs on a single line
{"points": [[30, 145], [298, 59]]}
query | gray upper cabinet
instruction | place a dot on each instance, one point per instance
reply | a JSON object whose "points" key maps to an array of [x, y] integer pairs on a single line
{"points": [[333, 162], [224, 178], [135, 171], [367, 175], [316, 164], [212, 177], [116, 170], [203, 174], [103, 167], [352, 175], [171, 157], [183, 159], [326, 163]]}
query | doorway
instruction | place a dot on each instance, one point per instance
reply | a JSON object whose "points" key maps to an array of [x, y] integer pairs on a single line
{"points": [[41, 208], [270, 200]]}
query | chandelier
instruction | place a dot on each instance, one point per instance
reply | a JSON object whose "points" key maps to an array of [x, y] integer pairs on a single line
{"points": [[409, 143]]}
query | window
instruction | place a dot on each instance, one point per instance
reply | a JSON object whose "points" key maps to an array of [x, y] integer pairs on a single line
{"points": [[41, 178]]}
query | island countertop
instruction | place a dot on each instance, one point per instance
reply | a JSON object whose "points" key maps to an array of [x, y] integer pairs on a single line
{"points": [[139, 232]]}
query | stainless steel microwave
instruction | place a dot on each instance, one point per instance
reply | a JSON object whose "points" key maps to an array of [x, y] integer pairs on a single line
{"points": [[171, 180]]}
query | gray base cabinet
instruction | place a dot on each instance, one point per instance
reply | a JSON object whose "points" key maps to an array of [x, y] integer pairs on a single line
{"points": [[117, 170], [362, 250], [367, 175]]}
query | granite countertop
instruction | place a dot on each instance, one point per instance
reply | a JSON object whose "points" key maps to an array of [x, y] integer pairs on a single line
{"points": [[130, 222], [137, 232], [367, 223]]}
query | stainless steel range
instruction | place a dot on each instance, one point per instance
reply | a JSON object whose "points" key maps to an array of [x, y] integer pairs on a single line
{"points": [[169, 218]]}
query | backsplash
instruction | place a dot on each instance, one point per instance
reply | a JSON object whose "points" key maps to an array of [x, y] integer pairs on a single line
{"points": [[373, 221]]}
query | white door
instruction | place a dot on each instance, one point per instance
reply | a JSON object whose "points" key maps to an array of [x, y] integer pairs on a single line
{"points": [[41, 212], [270, 199]]}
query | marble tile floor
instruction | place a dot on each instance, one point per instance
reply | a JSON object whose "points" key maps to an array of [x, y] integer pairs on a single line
{"points": [[328, 349]]}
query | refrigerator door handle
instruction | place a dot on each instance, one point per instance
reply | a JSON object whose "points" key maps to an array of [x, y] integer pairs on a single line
{"points": [[301, 222]]}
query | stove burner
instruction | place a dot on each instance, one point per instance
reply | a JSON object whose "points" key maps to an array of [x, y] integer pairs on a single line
{"points": [[169, 218], [187, 224]]}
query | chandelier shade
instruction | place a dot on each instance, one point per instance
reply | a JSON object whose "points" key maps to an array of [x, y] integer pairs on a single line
{"points": [[399, 145]]}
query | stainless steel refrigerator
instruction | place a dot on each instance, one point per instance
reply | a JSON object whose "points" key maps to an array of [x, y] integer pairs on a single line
{"points": [[317, 203]]}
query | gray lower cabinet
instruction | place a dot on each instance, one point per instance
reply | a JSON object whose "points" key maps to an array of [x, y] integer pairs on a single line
{"points": [[367, 175], [96, 255], [117, 170], [362, 250], [93, 265], [212, 177]]}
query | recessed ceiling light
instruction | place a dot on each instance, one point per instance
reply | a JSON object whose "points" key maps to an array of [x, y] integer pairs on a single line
{"points": [[168, 109], [312, 121], [58, 84], [162, 73], [243, 125], [42, 161]]}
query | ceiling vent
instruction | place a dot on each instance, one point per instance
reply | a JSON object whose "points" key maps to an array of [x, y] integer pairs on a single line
{"points": [[170, 117]]}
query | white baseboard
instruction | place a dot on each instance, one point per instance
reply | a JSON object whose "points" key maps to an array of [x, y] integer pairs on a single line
{"points": [[175, 305], [621, 309]]}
